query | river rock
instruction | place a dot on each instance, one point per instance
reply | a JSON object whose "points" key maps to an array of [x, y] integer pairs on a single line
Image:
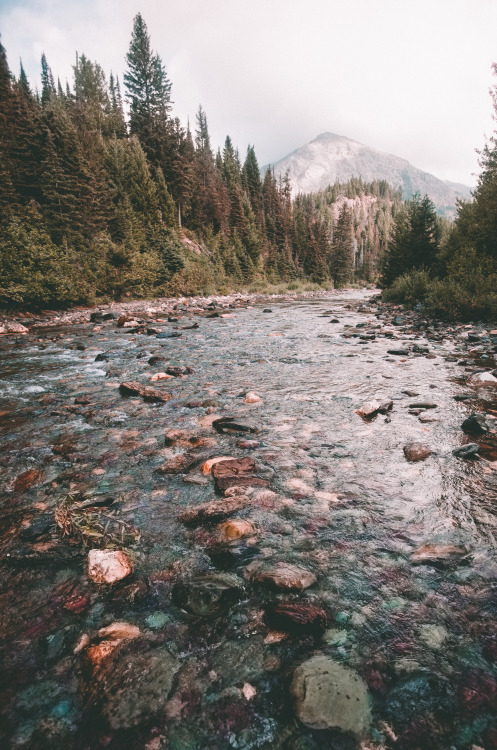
{"points": [[485, 378], [132, 687], [119, 631], [252, 398], [423, 405], [11, 327], [208, 595], [370, 408], [186, 439], [466, 451], [416, 451], [437, 553], [297, 617], [178, 464], [148, 393], [108, 566], [328, 695], [398, 352], [230, 425], [475, 424], [282, 575], [160, 376], [236, 529], [27, 479], [236, 473], [207, 465], [214, 510]]}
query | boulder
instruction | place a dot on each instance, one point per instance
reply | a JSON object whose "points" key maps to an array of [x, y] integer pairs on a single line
{"points": [[282, 575], [328, 695], [108, 566], [416, 451]]}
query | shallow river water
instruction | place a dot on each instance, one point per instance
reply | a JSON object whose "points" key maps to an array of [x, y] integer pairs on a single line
{"points": [[207, 664]]}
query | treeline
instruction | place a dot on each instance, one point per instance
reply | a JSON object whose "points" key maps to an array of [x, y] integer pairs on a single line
{"points": [[98, 205], [449, 270]]}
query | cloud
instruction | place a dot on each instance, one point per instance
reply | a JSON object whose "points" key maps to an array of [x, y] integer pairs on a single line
{"points": [[408, 78]]}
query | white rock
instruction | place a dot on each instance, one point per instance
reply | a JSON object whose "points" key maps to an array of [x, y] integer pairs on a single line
{"points": [[108, 566]]}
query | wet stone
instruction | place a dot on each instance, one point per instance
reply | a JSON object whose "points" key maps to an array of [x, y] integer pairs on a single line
{"points": [[370, 408], [328, 695], [214, 510], [281, 575], [296, 617], [236, 473], [108, 566], [146, 392], [466, 451], [208, 595]]}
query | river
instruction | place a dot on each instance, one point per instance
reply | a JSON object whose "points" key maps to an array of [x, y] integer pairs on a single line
{"points": [[401, 555]]}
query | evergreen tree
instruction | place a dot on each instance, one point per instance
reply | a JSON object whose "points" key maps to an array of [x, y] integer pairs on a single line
{"points": [[47, 81], [148, 94], [343, 248]]}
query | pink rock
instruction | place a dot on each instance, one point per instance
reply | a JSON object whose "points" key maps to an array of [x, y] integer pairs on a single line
{"points": [[108, 566]]}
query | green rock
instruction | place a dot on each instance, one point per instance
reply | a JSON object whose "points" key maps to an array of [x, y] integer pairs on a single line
{"points": [[157, 620]]}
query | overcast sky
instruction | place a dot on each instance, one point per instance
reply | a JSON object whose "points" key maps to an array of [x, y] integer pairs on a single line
{"points": [[410, 77]]}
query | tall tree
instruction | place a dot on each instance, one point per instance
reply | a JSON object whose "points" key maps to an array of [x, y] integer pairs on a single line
{"points": [[148, 94], [343, 247]]}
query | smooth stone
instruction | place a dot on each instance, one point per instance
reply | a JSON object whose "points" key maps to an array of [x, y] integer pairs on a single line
{"points": [[252, 398], [119, 631], [214, 510], [236, 529], [281, 575], [297, 617], [416, 452], [207, 465], [108, 566], [423, 405], [328, 695], [157, 620], [483, 377]]}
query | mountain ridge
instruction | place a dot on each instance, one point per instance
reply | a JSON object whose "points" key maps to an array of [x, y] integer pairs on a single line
{"points": [[331, 157]]}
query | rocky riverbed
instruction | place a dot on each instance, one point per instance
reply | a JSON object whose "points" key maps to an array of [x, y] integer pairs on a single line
{"points": [[241, 523]]}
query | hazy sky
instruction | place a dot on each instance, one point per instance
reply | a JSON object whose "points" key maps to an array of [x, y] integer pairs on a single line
{"points": [[410, 77]]}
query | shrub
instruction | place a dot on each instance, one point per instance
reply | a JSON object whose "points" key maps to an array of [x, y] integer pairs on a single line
{"points": [[409, 289]]}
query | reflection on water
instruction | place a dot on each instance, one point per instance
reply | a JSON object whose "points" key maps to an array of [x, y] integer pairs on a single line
{"points": [[344, 504]]}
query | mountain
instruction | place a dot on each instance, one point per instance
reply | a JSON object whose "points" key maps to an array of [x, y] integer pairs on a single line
{"points": [[330, 158]]}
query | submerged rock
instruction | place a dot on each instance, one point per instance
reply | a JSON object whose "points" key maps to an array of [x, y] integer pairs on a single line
{"points": [[282, 575], [437, 553], [297, 618], [108, 566], [235, 473], [252, 398], [131, 688], [236, 529], [177, 464], [148, 393], [208, 595], [416, 451], [214, 510], [27, 479], [328, 695]]}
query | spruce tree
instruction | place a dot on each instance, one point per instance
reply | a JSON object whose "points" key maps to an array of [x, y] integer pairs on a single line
{"points": [[343, 248]]}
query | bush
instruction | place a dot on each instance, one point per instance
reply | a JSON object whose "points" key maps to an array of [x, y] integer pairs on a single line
{"points": [[409, 289]]}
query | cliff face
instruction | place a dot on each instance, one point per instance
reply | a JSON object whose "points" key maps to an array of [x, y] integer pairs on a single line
{"points": [[331, 157]]}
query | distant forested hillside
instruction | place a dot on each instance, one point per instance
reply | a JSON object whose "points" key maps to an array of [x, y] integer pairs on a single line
{"points": [[104, 193]]}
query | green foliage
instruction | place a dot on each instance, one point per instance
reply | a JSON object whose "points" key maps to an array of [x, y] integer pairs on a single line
{"points": [[409, 289], [33, 271]]}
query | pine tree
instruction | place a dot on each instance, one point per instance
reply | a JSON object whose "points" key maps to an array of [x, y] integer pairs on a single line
{"points": [[148, 94], [343, 248], [47, 81]]}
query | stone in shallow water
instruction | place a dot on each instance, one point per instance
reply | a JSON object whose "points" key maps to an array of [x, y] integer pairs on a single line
{"points": [[133, 687], [214, 510], [466, 451], [131, 388], [416, 451], [328, 695], [437, 553], [282, 575], [297, 618], [371, 408], [108, 566], [208, 595], [236, 529]]}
